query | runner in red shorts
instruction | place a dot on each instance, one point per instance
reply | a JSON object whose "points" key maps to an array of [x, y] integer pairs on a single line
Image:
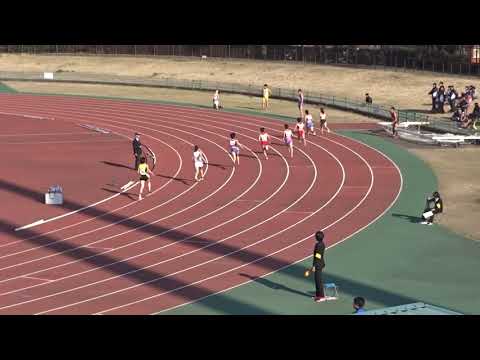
{"points": [[264, 139], [300, 130]]}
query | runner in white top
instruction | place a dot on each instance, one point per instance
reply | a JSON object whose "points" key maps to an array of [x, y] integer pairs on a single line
{"points": [[198, 160], [264, 139], [216, 100], [234, 148], [323, 121], [300, 130], [287, 138], [309, 123]]}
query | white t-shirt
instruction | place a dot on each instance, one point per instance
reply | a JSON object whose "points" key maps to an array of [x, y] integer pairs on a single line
{"points": [[287, 134], [309, 119], [263, 137], [197, 157]]}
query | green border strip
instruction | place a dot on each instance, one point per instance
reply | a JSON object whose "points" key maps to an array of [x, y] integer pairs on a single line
{"points": [[429, 264], [6, 89]]}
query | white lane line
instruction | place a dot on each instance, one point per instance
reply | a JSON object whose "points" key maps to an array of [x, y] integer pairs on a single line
{"points": [[144, 283], [47, 134], [27, 116], [36, 278], [125, 188], [242, 195], [123, 220], [100, 216], [171, 244], [306, 238], [226, 255], [61, 142]]}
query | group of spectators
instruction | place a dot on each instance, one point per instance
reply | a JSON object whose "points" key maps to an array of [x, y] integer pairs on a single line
{"points": [[459, 104]]}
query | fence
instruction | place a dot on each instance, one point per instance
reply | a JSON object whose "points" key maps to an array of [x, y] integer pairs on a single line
{"points": [[388, 59], [310, 97]]}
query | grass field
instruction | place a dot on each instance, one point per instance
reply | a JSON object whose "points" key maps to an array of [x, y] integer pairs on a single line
{"points": [[456, 168]]}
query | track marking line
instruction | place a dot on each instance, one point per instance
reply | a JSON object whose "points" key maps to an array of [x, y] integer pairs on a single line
{"points": [[309, 256], [42, 221], [47, 134], [37, 278]]}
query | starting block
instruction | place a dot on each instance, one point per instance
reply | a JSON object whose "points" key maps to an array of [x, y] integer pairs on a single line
{"points": [[54, 196], [331, 291]]}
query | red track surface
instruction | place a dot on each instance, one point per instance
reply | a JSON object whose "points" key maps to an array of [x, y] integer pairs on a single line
{"points": [[187, 240]]}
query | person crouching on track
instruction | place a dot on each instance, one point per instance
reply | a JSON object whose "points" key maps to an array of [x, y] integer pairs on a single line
{"points": [[144, 173], [434, 206]]}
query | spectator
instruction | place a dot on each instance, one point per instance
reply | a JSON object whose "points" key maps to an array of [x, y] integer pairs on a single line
{"points": [[458, 115], [452, 96], [434, 93], [368, 99], [473, 117], [441, 99], [358, 304]]}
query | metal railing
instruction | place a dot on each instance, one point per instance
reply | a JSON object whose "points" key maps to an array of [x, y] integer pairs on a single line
{"points": [[310, 97]]}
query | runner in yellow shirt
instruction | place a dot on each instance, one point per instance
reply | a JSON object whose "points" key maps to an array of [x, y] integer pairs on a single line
{"points": [[144, 172], [266, 95]]}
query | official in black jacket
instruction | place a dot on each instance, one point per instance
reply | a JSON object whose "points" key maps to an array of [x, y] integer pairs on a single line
{"points": [[137, 150], [318, 265], [434, 93]]}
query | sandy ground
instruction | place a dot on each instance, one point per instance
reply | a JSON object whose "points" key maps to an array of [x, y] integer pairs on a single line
{"points": [[459, 182], [456, 169], [406, 90]]}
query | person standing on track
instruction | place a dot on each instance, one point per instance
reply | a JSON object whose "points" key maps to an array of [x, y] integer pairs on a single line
{"points": [[394, 116], [137, 150], [266, 96], [323, 121], [309, 123], [300, 102], [264, 139], [198, 161], [234, 148], [300, 130], [216, 100], [288, 139], [144, 172], [318, 266]]}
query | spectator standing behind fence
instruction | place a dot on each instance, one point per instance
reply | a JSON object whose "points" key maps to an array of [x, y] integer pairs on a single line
{"points": [[434, 93], [452, 96], [441, 99], [266, 96], [368, 99]]}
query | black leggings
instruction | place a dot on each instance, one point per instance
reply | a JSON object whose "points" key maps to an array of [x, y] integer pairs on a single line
{"points": [[319, 283]]}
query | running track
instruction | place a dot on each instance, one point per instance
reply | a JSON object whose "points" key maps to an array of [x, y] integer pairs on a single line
{"points": [[189, 240]]}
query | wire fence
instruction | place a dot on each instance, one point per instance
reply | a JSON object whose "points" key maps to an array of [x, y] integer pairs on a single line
{"points": [[379, 58], [310, 97]]}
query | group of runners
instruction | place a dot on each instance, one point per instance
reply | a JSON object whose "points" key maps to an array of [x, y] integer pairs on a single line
{"points": [[305, 126]]}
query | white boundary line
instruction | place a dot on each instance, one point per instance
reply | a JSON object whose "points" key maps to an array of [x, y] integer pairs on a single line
{"points": [[241, 249], [120, 221], [309, 256]]}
